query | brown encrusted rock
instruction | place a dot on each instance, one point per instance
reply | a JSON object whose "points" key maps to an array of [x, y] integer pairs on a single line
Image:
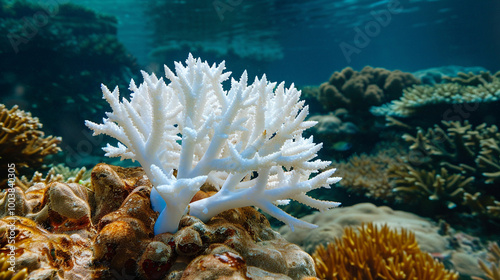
{"points": [[236, 244], [45, 255], [57, 206], [220, 262], [124, 234], [68, 209], [13, 202], [157, 259], [69, 200], [36, 197], [111, 185]]}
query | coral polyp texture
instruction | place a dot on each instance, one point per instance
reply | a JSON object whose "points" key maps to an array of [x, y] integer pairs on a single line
{"points": [[367, 174], [246, 142], [44, 255], [377, 253], [21, 141], [357, 91]]}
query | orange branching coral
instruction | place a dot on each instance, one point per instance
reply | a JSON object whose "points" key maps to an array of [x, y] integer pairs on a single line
{"points": [[375, 254], [21, 142]]}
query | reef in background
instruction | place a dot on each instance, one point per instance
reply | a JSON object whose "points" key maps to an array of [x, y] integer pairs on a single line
{"points": [[465, 96], [51, 56], [342, 105]]}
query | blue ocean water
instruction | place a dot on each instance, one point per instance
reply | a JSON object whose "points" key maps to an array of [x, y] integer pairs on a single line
{"points": [[58, 55], [305, 41], [54, 57]]}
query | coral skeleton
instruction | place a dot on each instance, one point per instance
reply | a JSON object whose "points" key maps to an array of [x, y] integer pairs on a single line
{"points": [[246, 141]]}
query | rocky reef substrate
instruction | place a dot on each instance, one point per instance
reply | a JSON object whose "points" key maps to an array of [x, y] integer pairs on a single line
{"points": [[103, 229]]}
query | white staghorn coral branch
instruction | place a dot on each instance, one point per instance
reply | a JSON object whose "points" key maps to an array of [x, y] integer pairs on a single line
{"points": [[246, 141], [259, 194]]}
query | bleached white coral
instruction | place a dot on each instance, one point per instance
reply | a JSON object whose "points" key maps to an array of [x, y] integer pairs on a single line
{"points": [[246, 141]]}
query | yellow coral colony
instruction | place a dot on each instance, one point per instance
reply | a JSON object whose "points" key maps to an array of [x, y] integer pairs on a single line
{"points": [[21, 142], [377, 253], [6, 274]]}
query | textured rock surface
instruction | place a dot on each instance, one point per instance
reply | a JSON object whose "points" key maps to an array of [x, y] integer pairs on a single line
{"points": [[120, 244], [111, 185], [46, 255], [237, 243]]}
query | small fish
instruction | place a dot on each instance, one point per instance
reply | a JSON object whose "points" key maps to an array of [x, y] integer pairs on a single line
{"points": [[341, 146], [441, 256]]}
